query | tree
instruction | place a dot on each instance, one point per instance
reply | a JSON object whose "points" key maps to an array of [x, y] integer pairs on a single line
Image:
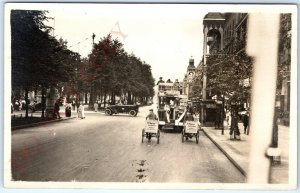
{"points": [[29, 36], [228, 75], [111, 71], [38, 59]]}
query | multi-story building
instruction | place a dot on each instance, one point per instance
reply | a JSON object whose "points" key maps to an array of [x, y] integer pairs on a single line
{"points": [[226, 33]]}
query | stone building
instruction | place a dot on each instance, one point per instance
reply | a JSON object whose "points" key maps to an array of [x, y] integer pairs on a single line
{"points": [[226, 33]]}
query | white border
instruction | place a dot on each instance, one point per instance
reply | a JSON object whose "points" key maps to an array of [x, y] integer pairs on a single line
{"points": [[187, 186]]}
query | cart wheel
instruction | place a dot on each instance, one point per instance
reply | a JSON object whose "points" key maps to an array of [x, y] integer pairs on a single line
{"points": [[182, 136], [197, 137], [143, 134], [158, 136]]}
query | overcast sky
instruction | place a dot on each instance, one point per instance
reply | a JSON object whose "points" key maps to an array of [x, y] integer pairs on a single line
{"points": [[164, 36]]}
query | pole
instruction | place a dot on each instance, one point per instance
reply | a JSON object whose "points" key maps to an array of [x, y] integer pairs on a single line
{"points": [[263, 46], [93, 37], [222, 115]]}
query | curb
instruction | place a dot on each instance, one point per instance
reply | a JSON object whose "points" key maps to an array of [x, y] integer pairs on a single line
{"points": [[39, 123], [226, 154]]}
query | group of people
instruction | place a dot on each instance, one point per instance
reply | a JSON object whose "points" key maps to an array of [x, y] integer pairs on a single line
{"points": [[80, 109], [188, 117], [244, 118]]}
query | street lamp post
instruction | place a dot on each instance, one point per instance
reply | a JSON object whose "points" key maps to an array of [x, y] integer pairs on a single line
{"points": [[222, 115]]}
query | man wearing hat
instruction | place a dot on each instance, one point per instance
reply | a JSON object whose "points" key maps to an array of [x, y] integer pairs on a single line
{"points": [[151, 115]]}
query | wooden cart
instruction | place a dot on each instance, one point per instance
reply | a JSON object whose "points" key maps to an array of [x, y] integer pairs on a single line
{"points": [[151, 130], [190, 129]]}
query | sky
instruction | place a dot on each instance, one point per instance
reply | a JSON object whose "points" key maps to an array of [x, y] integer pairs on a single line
{"points": [[164, 36]]}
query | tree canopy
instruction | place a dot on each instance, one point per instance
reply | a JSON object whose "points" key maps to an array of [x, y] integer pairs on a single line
{"points": [[110, 70], [37, 57]]}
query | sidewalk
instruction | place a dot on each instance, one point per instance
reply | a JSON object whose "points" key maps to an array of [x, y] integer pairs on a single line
{"points": [[19, 114], [238, 151]]}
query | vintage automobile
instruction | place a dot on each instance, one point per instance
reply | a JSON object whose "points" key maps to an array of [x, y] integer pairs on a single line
{"points": [[132, 110]]}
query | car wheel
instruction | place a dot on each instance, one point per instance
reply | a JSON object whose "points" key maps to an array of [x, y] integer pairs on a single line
{"points": [[108, 112], [133, 113]]}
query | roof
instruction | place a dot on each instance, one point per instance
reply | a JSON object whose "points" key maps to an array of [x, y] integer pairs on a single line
{"points": [[191, 67], [214, 16]]}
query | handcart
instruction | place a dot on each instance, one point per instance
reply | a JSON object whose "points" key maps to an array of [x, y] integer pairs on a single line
{"points": [[151, 130], [190, 130]]}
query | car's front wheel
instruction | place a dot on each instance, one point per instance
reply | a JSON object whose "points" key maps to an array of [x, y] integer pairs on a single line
{"points": [[133, 113], [108, 112]]}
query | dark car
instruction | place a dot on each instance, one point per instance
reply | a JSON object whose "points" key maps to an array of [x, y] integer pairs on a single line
{"points": [[132, 110]]}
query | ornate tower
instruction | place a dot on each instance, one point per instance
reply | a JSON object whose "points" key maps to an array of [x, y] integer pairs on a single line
{"points": [[189, 75], [213, 28]]}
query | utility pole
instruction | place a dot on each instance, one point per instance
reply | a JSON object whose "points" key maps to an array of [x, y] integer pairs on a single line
{"points": [[93, 37]]}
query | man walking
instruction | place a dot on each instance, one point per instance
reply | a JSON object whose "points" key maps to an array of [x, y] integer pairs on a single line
{"points": [[246, 121], [56, 110]]}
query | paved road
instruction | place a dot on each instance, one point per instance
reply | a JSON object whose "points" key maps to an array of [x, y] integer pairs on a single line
{"points": [[108, 149]]}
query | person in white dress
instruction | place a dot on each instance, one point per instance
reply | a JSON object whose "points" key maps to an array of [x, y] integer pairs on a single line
{"points": [[96, 106], [81, 111], [228, 119]]}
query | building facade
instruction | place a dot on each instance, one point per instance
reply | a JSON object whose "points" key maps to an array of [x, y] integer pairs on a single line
{"points": [[226, 34]]}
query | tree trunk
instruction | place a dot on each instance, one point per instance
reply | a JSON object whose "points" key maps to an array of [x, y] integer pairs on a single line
{"points": [[104, 99], [129, 100], [113, 98], [26, 102], [43, 102], [51, 98], [91, 100], [85, 97]]}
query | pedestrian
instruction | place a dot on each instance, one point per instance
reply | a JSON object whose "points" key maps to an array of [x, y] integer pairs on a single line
{"points": [[228, 119], [77, 104], [68, 110], [151, 115], [234, 128], [17, 105], [81, 111], [246, 121], [167, 111], [73, 105], [96, 106], [56, 110]]}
